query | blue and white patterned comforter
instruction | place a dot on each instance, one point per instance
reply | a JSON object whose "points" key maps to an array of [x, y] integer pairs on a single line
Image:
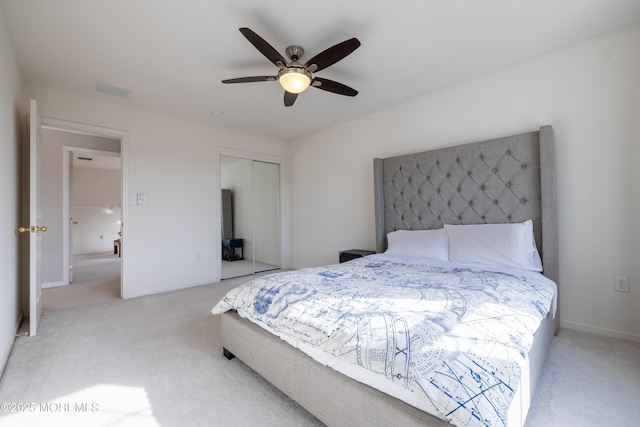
{"points": [[455, 336]]}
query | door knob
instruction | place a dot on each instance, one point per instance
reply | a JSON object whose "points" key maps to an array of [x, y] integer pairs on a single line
{"points": [[32, 229]]}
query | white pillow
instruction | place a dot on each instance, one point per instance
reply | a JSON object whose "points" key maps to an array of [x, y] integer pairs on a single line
{"points": [[430, 244], [511, 245]]}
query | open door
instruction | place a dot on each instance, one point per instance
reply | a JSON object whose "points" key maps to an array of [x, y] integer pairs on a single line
{"points": [[71, 222], [34, 229]]}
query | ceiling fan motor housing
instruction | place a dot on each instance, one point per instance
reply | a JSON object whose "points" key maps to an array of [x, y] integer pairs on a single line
{"points": [[294, 52]]}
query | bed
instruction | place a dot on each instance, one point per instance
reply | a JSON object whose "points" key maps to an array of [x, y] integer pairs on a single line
{"points": [[501, 182]]}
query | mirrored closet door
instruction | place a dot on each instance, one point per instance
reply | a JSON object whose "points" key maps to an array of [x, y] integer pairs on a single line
{"points": [[250, 216]]}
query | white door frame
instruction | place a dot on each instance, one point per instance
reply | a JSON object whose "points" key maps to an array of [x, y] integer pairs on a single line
{"points": [[284, 202], [84, 129]]}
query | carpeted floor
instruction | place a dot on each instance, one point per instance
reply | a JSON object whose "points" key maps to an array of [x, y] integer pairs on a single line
{"points": [[156, 361], [150, 361], [96, 279]]}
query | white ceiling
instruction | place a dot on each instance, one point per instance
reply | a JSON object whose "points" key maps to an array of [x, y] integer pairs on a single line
{"points": [[173, 54]]}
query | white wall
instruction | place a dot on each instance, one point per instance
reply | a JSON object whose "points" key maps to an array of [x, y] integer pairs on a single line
{"points": [[95, 232], [175, 163], [590, 93], [93, 191], [11, 121]]}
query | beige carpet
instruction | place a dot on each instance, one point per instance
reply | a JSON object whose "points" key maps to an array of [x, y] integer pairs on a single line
{"points": [[588, 381], [150, 361], [96, 280], [156, 361]]}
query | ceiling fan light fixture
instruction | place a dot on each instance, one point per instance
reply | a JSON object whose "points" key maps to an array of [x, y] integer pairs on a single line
{"points": [[294, 79]]}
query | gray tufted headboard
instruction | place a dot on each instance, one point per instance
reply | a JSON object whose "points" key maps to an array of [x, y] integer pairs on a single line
{"points": [[502, 180]]}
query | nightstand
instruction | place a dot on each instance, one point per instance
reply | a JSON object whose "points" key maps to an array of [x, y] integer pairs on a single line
{"points": [[354, 253], [229, 247]]}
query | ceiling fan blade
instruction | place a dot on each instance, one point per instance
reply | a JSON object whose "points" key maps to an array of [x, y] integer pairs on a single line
{"points": [[332, 55], [289, 98], [265, 48], [335, 87], [251, 79]]}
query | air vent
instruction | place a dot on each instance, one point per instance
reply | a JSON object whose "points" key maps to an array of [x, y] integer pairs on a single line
{"points": [[114, 90]]}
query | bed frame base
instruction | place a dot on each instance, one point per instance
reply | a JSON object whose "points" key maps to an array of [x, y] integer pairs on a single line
{"points": [[315, 387], [226, 353], [333, 398]]}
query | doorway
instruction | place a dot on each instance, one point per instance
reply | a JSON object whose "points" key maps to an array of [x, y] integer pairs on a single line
{"points": [[91, 155], [250, 216], [93, 206]]}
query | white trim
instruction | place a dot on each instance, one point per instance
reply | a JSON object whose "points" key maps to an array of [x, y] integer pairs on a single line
{"points": [[284, 200], [55, 284], [611, 333], [85, 129], [81, 128]]}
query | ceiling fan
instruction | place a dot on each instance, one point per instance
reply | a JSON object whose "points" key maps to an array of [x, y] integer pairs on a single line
{"points": [[295, 77]]}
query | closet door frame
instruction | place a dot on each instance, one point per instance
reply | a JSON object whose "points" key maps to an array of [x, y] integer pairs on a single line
{"points": [[284, 201]]}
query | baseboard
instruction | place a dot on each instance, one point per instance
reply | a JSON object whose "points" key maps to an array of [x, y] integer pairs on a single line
{"points": [[9, 347], [611, 333], [53, 284]]}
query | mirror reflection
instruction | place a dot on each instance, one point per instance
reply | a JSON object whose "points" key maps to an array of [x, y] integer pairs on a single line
{"points": [[250, 216]]}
